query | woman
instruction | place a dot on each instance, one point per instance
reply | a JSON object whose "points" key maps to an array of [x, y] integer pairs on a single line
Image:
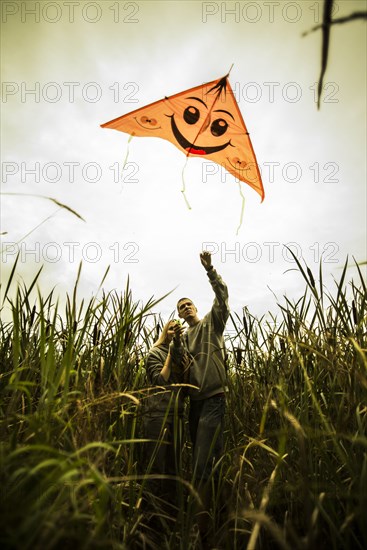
{"points": [[163, 419]]}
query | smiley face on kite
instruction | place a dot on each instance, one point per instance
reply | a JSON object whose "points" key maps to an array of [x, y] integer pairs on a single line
{"points": [[196, 118], [203, 121]]}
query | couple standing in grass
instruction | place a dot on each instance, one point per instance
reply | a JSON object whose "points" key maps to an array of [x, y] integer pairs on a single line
{"points": [[195, 357]]}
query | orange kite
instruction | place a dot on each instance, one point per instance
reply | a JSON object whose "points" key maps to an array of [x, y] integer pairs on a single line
{"points": [[204, 121]]}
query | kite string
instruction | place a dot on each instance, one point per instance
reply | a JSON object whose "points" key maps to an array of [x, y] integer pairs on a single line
{"points": [[184, 186], [242, 207]]}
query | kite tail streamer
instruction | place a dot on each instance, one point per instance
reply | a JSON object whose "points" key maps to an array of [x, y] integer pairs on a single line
{"points": [[242, 208], [184, 186], [125, 161], [127, 153]]}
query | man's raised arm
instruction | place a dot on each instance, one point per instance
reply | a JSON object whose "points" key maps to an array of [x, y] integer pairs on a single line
{"points": [[220, 309]]}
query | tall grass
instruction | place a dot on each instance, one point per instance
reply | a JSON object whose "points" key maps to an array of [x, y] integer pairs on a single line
{"points": [[72, 392]]}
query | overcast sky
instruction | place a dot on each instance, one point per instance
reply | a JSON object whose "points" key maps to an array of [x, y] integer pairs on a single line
{"points": [[68, 67]]}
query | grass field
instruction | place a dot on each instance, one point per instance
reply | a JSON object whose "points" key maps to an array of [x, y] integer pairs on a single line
{"points": [[72, 391]]}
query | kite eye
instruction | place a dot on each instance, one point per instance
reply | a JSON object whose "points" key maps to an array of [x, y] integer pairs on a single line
{"points": [[218, 127], [146, 120], [191, 115]]}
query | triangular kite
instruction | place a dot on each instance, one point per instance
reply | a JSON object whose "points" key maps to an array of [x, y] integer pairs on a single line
{"points": [[204, 121]]}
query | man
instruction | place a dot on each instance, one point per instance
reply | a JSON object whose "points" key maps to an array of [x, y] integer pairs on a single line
{"points": [[204, 341]]}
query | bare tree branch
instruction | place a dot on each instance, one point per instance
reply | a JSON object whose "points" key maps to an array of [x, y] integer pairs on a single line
{"points": [[327, 22], [352, 17]]}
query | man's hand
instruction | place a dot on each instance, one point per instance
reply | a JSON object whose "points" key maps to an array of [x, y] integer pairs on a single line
{"points": [[206, 260]]}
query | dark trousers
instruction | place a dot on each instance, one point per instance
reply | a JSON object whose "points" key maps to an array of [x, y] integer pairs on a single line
{"points": [[164, 453], [206, 424]]}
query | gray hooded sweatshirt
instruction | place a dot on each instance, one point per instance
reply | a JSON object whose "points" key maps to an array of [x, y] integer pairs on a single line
{"points": [[205, 343]]}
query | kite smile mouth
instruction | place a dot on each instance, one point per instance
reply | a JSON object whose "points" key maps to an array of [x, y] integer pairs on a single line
{"points": [[190, 147]]}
